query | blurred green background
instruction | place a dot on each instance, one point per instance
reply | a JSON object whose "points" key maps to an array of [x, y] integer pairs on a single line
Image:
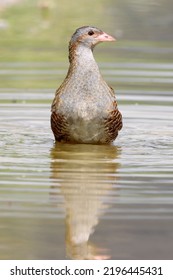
{"points": [[34, 31]]}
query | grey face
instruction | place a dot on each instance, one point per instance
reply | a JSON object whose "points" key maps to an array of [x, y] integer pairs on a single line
{"points": [[86, 34]]}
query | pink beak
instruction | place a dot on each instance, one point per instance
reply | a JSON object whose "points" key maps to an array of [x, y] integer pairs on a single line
{"points": [[104, 37]]}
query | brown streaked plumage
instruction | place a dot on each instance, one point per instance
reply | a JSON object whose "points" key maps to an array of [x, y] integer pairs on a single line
{"points": [[84, 109]]}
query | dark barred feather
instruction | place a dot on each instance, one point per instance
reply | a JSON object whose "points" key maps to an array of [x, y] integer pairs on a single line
{"points": [[113, 124], [59, 127]]}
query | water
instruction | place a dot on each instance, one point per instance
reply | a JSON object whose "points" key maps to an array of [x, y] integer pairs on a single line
{"points": [[62, 201]]}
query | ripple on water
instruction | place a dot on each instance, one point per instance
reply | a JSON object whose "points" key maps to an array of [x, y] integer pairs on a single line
{"points": [[87, 185], [145, 162]]}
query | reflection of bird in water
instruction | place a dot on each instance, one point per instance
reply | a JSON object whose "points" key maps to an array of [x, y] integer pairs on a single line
{"points": [[85, 174], [84, 109]]}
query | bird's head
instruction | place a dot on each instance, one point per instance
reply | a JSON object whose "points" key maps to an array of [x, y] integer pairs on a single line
{"points": [[90, 36]]}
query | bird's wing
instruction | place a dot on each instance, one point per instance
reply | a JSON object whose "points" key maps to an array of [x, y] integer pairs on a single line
{"points": [[113, 122], [59, 127]]}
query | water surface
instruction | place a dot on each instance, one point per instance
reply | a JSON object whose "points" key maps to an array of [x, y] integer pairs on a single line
{"points": [[61, 201]]}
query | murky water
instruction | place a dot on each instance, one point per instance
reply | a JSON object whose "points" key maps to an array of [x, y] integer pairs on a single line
{"points": [[87, 201]]}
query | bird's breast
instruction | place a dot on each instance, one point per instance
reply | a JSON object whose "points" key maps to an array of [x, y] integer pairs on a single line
{"points": [[85, 103]]}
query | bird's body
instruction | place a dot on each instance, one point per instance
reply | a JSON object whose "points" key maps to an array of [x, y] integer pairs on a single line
{"points": [[84, 109]]}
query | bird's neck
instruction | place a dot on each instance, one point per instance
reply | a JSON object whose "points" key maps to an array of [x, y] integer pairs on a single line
{"points": [[81, 59]]}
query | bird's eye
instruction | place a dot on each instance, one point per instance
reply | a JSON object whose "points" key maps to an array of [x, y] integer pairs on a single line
{"points": [[90, 33]]}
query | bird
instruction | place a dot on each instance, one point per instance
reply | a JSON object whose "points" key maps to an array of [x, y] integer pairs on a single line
{"points": [[84, 109]]}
